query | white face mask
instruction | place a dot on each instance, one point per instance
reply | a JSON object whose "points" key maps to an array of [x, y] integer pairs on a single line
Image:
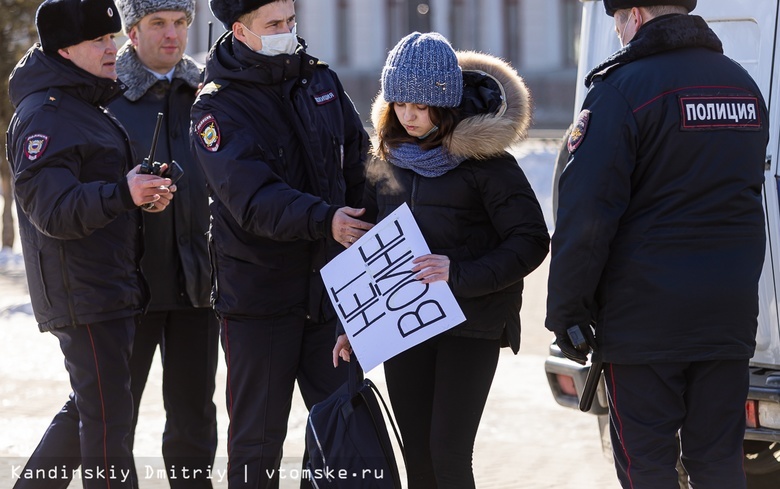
{"points": [[275, 44], [621, 34]]}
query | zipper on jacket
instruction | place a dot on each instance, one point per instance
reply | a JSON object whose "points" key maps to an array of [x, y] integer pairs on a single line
{"points": [[283, 164], [339, 149], [66, 282], [414, 191]]}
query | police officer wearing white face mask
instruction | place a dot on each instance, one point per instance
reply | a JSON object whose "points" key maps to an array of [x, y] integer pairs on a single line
{"points": [[283, 151]]}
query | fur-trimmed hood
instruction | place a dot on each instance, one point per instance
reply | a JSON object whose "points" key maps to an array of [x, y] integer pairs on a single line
{"points": [[138, 79], [488, 128]]}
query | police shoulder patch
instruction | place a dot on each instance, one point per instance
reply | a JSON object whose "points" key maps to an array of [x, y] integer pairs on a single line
{"points": [[208, 133], [35, 145], [578, 131]]}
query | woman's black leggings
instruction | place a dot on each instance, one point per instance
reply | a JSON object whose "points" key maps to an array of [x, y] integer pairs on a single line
{"points": [[438, 391]]}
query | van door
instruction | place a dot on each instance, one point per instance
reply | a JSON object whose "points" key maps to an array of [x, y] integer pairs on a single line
{"points": [[748, 31]]}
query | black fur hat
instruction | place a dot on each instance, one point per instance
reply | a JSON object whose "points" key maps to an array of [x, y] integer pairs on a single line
{"points": [[228, 11], [63, 23], [613, 5]]}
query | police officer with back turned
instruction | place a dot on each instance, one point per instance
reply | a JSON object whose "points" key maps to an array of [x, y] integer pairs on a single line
{"points": [[659, 244]]}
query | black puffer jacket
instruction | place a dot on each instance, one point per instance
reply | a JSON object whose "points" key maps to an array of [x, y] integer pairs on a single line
{"points": [[79, 227], [483, 214], [282, 148], [176, 262], [660, 229]]}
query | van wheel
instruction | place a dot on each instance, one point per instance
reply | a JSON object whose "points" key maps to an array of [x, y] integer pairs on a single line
{"points": [[762, 464]]}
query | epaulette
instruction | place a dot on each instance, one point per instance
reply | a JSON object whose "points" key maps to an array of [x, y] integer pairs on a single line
{"points": [[53, 97], [212, 88], [322, 64], [606, 71]]}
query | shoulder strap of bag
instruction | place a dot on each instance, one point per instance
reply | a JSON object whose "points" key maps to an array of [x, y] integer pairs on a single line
{"points": [[387, 413]]}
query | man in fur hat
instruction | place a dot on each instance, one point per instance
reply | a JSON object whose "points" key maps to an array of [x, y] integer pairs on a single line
{"points": [[78, 200], [160, 78], [284, 153], [659, 244]]}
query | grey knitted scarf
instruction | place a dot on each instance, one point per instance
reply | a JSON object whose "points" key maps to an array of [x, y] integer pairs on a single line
{"points": [[431, 163]]}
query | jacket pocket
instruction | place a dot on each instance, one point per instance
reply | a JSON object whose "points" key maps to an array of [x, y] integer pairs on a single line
{"points": [[42, 280]]}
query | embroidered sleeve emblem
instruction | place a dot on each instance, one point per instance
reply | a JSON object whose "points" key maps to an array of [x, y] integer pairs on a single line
{"points": [[578, 131], [35, 146], [208, 133]]}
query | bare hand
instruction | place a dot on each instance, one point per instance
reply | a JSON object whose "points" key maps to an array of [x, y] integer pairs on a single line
{"points": [[150, 191], [346, 229], [432, 268], [342, 349]]}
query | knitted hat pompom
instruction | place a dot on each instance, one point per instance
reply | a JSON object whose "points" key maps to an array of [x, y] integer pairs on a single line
{"points": [[423, 69]]}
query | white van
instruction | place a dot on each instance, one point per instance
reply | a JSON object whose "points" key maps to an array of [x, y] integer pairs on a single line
{"points": [[749, 32]]}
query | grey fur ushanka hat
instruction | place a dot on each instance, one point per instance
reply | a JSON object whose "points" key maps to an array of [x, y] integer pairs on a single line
{"points": [[134, 10]]}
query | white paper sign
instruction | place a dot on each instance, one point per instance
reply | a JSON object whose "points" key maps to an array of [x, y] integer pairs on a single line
{"points": [[383, 308]]}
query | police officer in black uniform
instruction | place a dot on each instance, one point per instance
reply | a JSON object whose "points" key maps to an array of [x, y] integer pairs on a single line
{"points": [[160, 78], [660, 243], [283, 151], [78, 201]]}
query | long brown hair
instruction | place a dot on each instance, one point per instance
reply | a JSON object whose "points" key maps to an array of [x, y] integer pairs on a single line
{"points": [[392, 134]]}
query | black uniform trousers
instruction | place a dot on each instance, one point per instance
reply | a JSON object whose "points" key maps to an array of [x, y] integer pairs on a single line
{"points": [[189, 346], [264, 358], [703, 401], [92, 428], [438, 390]]}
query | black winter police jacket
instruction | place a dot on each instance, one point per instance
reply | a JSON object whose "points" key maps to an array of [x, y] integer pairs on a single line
{"points": [[660, 228], [282, 148], [483, 214], [176, 260], [79, 227]]}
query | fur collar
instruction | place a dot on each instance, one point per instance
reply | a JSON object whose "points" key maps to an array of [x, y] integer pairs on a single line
{"points": [[138, 79], [484, 135], [665, 33]]}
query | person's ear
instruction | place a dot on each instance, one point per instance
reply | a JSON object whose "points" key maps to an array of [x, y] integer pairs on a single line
{"points": [[133, 35], [238, 32]]}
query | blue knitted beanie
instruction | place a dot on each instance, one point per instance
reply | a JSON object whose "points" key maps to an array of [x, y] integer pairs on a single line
{"points": [[423, 69]]}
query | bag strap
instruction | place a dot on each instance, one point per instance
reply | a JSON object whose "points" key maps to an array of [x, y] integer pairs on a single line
{"points": [[389, 416]]}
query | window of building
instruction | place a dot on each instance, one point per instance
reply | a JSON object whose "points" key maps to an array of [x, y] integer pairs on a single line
{"points": [[512, 29], [342, 32], [464, 22], [572, 20]]}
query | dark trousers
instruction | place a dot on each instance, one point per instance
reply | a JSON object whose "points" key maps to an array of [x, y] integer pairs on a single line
{"points": [[92, 428], [703, 401], [264, 358], [189, 345], [438, 391]]}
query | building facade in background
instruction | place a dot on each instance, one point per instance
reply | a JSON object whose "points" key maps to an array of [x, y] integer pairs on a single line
{"points": [[539, 38]]}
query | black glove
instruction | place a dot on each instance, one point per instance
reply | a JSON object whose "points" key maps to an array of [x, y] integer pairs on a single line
{"points": [[576, 343]]}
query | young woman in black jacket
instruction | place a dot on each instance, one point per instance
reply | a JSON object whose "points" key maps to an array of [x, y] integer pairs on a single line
{"points": [[443, 121]]}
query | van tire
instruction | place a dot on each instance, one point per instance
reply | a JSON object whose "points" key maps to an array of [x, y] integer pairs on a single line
{"points": [[762, 457]]}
